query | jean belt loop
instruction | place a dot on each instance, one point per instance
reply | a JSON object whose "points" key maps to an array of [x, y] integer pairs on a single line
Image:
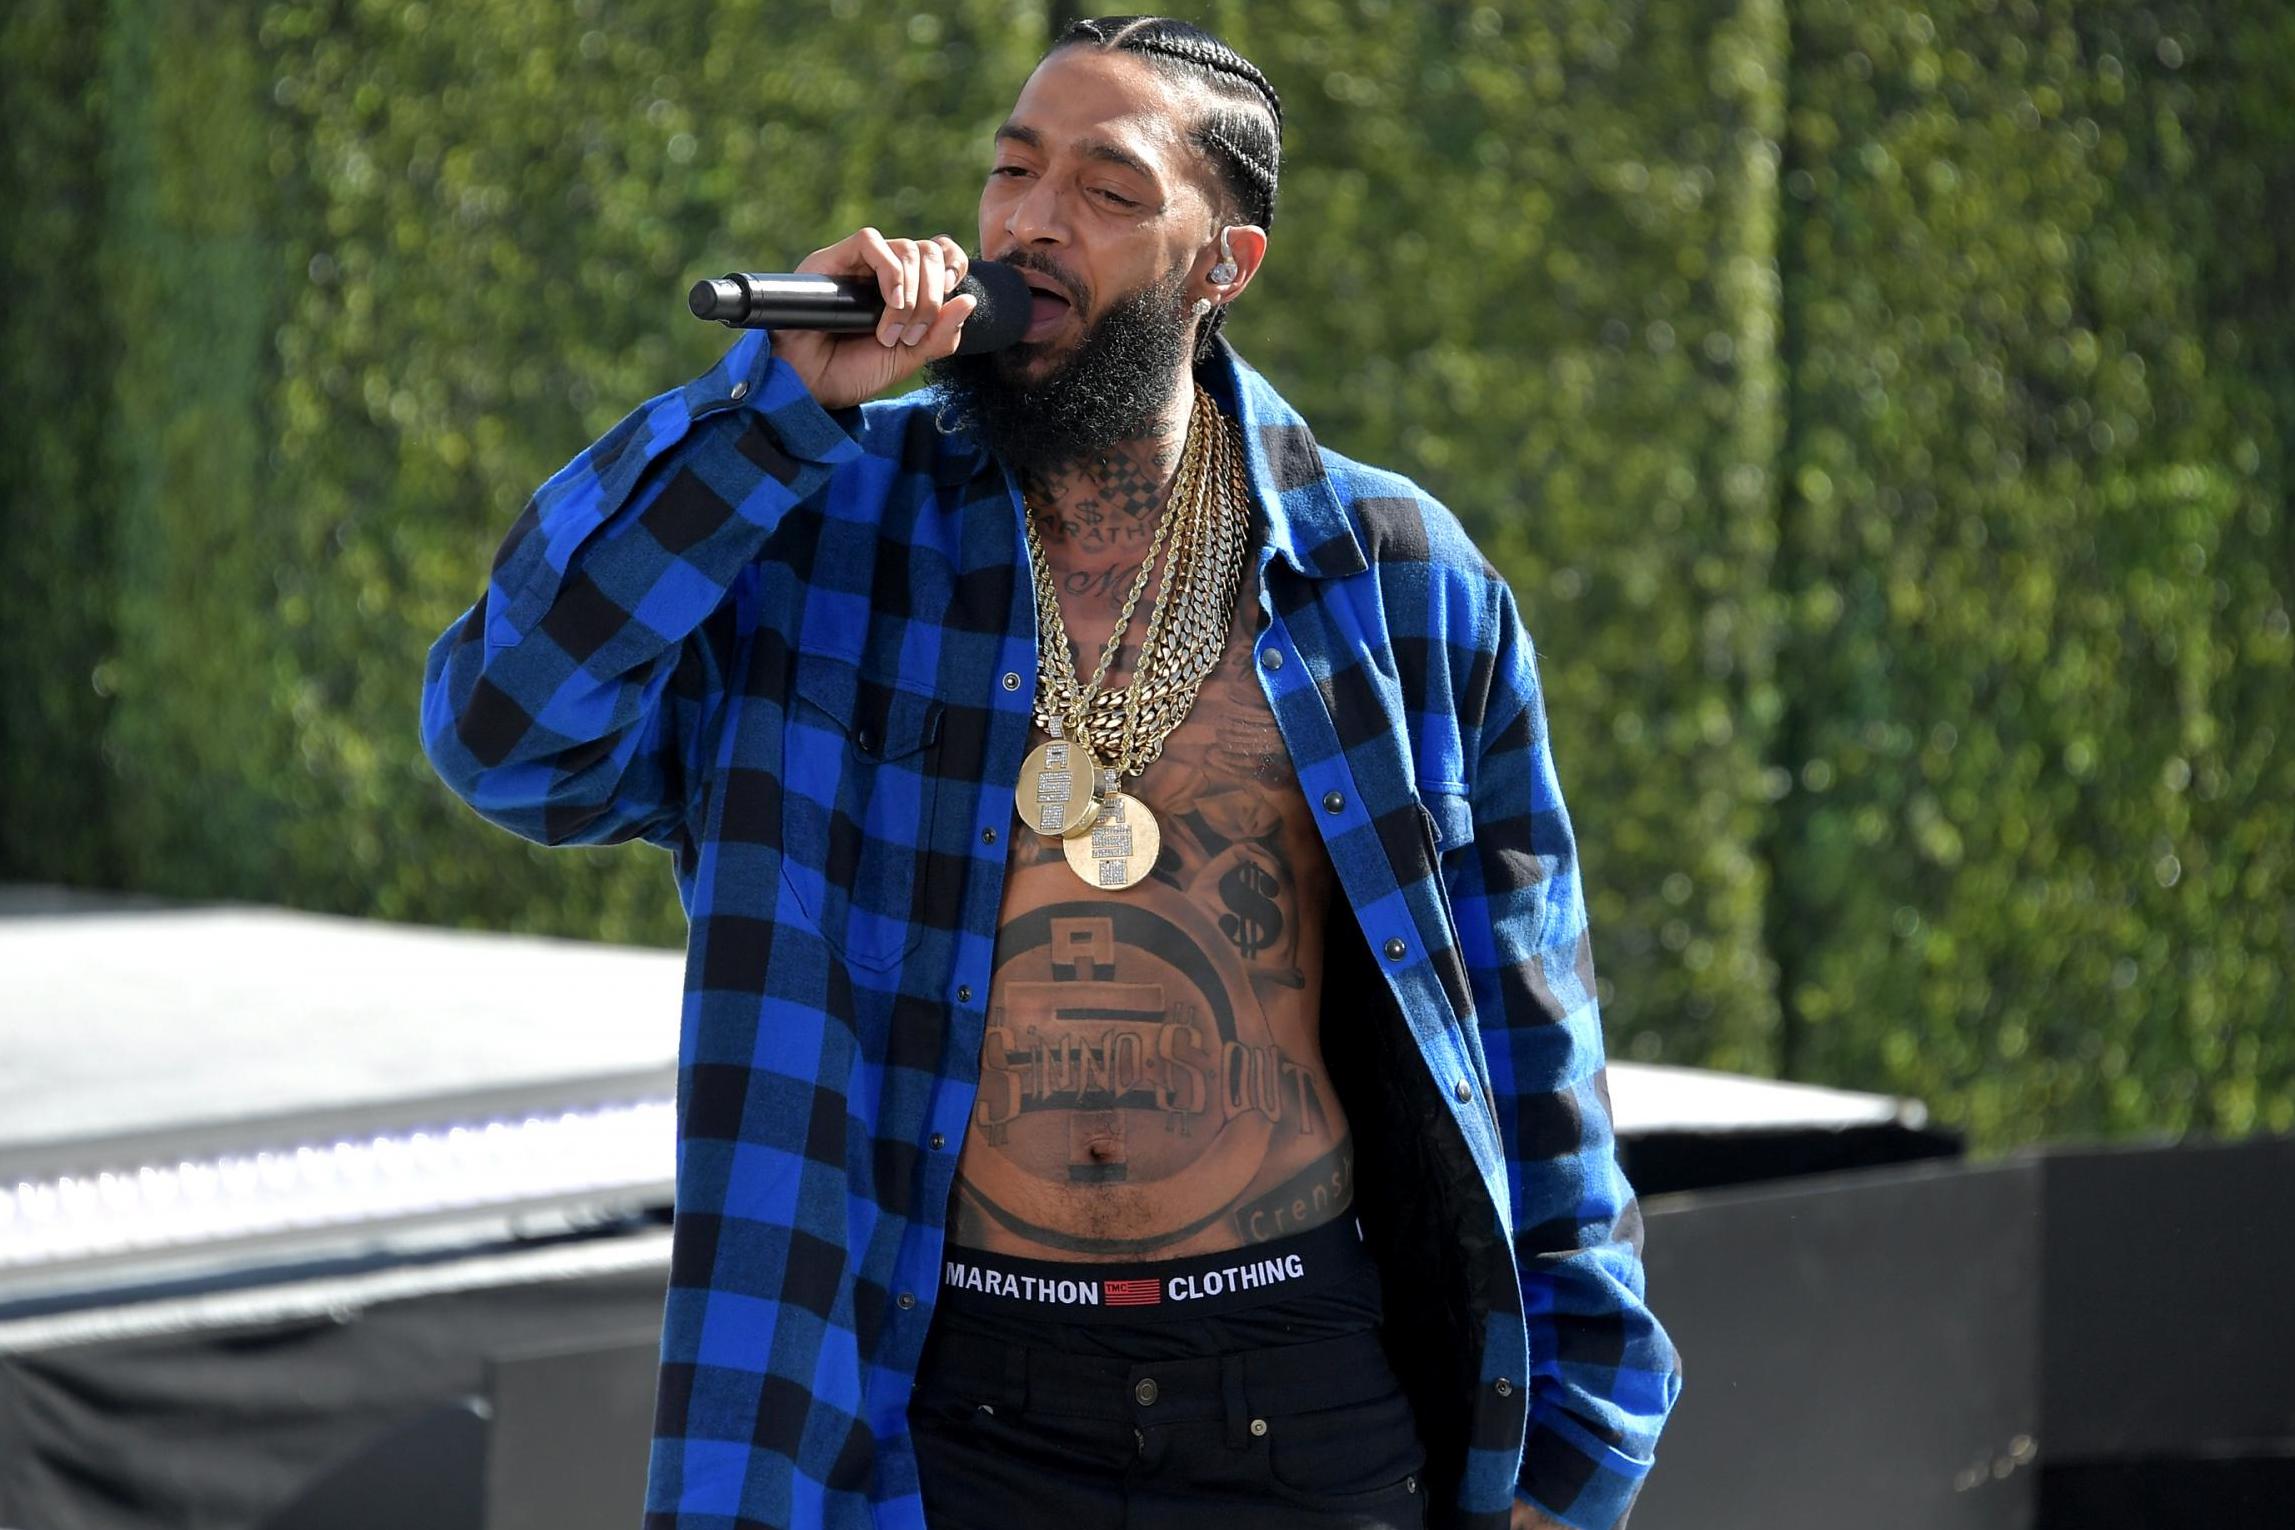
{"points": [[1015, 1399], [1238, 1404]]}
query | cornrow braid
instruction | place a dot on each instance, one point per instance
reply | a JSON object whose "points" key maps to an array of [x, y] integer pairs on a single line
{"points": [[1242, 134], [1191, 45], [1261, 175]]}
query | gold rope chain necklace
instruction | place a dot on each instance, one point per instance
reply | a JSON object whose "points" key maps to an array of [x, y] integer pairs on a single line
{"points": [[1068, 777], [1071, 785]]}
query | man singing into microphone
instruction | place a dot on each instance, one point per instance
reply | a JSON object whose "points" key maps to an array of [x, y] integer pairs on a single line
{"points": [[1140, 1065]]}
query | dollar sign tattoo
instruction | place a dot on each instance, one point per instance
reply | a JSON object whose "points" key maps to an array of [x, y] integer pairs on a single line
{"points": [[1253, 922]]}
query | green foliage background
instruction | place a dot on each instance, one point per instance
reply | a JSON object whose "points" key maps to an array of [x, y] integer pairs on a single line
{"points": [[1878, 407]]}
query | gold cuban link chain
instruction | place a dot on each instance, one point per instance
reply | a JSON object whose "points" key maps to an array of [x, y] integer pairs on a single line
{"points": [[1061, 704], [1177, 657], [1073, 790]]}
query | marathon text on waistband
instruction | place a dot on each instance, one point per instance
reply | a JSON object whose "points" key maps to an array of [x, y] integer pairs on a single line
{"points": [[1064, 1291]]}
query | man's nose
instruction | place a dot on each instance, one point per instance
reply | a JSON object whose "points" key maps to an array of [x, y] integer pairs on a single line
{"points": [[1038, 218]]}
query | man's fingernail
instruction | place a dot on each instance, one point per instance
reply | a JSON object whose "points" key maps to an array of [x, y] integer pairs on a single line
{"points": [[913, 333], [889, 338]]}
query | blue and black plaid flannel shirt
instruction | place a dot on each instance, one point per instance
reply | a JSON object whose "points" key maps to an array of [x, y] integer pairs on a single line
{"points": [[796, 649]]}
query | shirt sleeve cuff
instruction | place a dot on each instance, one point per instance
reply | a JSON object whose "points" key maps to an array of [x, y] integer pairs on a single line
{"points": [[749, 376], [1575, 1479]]}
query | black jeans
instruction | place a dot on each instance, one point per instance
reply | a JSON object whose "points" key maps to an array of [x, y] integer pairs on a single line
{"points": [[1282, 1414]]}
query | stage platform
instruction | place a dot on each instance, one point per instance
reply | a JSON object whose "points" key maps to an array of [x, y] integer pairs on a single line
{"points": [[126, 1017], [299, 1214]]}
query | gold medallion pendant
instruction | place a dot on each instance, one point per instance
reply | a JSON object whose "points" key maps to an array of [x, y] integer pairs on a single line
{"points": [[1059, 788], [1072, 786], [1121, 849]]}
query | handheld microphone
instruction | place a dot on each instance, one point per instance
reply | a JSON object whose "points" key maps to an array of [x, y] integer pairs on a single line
{"points": [[852, 305]]}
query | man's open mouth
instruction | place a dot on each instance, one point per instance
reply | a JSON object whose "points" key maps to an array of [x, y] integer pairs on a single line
{"points": [[1048, 305]]}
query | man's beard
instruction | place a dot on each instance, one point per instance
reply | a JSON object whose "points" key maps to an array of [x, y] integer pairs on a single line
{"points": [[1114, 386]]}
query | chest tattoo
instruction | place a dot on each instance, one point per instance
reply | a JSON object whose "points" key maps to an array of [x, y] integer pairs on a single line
{"points": [[1152, 1081]]}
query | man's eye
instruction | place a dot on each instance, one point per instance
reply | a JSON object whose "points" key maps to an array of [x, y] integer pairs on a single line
{"points": [[1119, 201], [1008, 170]]}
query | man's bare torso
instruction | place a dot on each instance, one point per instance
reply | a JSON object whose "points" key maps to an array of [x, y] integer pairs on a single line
{"points": [[1152, 1078]]}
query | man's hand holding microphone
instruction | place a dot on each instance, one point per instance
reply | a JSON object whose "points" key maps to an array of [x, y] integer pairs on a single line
{"points": [[923, 316]]}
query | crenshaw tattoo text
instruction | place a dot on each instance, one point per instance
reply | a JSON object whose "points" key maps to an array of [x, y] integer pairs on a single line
{"points": [[1163, 1066]]}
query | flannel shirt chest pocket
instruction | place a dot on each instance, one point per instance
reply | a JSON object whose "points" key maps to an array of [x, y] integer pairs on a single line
{"points": [[859, 782], [1446, 822]]}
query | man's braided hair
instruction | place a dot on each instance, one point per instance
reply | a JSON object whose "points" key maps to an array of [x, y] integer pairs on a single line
{"points": [[1242, 133]]}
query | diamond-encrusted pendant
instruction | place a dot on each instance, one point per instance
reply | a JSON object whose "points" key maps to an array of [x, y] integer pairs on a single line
{"points": [[1122, 846], [1060, 788]]}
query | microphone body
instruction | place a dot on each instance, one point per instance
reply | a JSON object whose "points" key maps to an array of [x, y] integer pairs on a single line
{"points": [[852, 305]]}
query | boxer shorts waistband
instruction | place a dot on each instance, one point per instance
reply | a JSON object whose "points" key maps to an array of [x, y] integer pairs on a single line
{"points": [[1203, 1285]]}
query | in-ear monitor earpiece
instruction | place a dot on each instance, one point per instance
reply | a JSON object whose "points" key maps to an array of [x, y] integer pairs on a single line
{"points": [[1224, 272]]}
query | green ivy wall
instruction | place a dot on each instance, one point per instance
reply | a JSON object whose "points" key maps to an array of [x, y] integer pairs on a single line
{"points": [[1879, 410]]}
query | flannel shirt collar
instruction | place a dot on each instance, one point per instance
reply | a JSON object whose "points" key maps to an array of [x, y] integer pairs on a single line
{"points": [[1296, 507]]}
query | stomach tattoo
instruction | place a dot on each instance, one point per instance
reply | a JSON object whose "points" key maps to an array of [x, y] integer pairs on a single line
{"points": [[1151, 1076]]}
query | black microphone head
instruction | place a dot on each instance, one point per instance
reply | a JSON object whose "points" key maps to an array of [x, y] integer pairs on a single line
{"points": [[1005, 307]]}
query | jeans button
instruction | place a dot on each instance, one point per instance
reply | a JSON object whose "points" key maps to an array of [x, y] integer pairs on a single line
{"points": [[1145, 1392]]}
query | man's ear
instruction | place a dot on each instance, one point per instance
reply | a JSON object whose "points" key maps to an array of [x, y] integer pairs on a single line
{"points": [[1240, 245]]}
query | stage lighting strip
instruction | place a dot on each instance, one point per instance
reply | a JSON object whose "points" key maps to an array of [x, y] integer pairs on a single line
{"points": [[417, 1175]]}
